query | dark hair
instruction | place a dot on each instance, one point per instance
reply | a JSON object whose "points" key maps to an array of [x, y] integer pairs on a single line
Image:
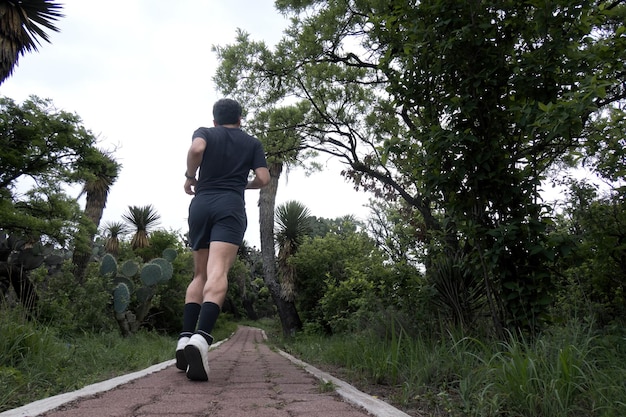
{"points": [[226, 111]]}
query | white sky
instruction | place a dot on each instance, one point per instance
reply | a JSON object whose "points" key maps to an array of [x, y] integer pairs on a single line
{"points": [[139, 74]]}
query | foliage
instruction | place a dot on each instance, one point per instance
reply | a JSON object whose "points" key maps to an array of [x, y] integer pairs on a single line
{"points": [[142, 220], [71, 308], [41, 150], [22, 25], [459, 109], [594, 270], [342, 274]]}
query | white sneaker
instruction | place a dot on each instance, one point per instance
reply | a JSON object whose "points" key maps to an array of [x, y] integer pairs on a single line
{"points": [[197, 355], [181, 362]]}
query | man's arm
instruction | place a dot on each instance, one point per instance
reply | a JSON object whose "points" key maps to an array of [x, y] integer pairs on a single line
{"points": [[194, 158], [261, 179]]}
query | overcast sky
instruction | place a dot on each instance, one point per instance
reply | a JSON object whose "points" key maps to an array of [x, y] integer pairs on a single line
{"points": [[139, 74]]}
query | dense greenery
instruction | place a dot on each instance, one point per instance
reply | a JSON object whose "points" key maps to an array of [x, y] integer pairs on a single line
{"points": [[458, 109], [466, 292]]}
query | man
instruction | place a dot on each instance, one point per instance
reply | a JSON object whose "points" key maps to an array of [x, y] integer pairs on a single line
{"points": [[225, 155]]}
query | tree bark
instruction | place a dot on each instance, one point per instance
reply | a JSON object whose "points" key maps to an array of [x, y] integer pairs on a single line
{"points": [[289, 318]]}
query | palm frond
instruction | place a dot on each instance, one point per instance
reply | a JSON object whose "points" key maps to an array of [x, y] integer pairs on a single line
{"points": [[22, 25]]}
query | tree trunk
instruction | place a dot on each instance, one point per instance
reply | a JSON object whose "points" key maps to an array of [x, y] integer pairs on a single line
{"points": [[287, 312], [94, 207]]}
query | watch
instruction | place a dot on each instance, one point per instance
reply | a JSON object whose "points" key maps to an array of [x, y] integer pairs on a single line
{"points": [[190, 177]]}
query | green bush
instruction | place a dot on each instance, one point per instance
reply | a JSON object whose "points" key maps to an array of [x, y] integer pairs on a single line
{"points": [[70, 307]]}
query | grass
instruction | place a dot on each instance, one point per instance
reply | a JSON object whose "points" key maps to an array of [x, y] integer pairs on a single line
{"points": [[36, 362], [567, 372]]}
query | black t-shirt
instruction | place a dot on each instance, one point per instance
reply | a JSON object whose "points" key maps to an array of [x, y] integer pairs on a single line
{"points": [[229, 156]]}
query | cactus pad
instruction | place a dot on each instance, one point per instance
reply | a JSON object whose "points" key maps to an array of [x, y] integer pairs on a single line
{"points": [[170, 254], [166, 269], [121, 298], [108, 267], [151, 274], [129, 268], [120, 279]]}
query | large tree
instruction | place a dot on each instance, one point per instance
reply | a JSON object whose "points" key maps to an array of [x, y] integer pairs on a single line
{"points": [[22, 24], [100, 171], [458, 108], [42, 152], [283, 146], [41, 149]]}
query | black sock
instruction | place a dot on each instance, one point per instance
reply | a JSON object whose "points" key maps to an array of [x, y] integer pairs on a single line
{"points": [[190, 319], [208, 317]]}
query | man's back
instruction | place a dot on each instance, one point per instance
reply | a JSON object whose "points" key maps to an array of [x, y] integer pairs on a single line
{"points": [[229, 156]]}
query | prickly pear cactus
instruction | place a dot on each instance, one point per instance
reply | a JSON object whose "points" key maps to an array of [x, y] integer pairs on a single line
{"points": [[129, 268], [124, 280], [108, 266], [121, 298], [170, 254], [144, 294], [166, 269], [134, 287], [151, 274]]}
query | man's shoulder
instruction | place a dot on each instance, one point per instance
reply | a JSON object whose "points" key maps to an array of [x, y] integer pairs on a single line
{"points": [[202, 132]]}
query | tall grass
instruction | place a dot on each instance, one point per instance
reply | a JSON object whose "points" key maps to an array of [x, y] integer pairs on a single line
{"points": [[567, 372]]}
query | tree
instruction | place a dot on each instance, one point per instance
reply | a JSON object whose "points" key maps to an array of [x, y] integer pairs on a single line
{"points": [[41, 148], [276, 128], [22, 24], [458, 108], [101, 171], [292, 226], [142, 219]]}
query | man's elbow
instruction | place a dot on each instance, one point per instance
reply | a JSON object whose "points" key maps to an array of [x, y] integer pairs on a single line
{"points": [[263, 177]]}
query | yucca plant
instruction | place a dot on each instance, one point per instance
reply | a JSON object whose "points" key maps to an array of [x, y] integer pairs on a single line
{"points": [[292, 225], [113, 232], [142, 219]]}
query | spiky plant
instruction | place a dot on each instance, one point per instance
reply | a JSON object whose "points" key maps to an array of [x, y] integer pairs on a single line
{"points": [[142, 219], [293, 223], [113, 231], [22, 25]]}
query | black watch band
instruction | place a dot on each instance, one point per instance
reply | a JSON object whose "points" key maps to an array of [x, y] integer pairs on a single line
{"points": [[192, 177]]}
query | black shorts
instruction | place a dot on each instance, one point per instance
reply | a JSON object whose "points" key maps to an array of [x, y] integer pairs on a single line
{"points": [[216, 216]]}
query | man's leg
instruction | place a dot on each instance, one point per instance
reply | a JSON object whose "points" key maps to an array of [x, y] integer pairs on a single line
{"points": [[193, 302], [221, 256]]}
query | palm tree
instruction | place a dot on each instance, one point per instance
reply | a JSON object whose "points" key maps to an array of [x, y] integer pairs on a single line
{"points": [[101, 171], [142, 219], [113, 231], [22, 25], [293, 223]]}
